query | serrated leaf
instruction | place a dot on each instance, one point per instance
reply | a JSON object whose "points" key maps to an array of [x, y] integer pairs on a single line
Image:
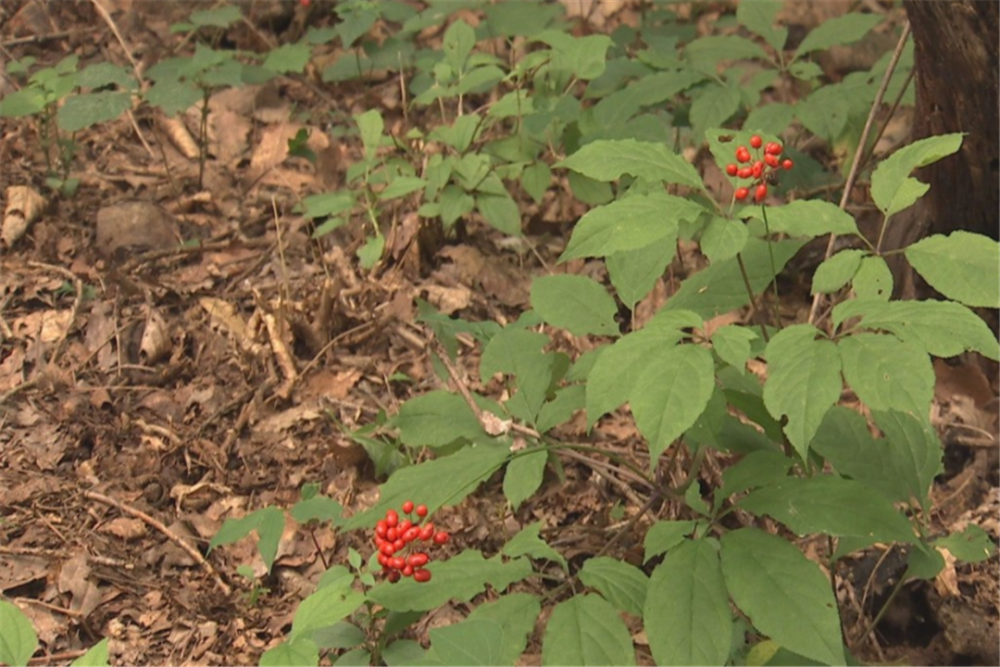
{"points": [[887, 373], [687, 616], [732, 344], [501, 212], [808, 218], [370, 125], [758, 17], [830, 505], [268, 522], [873, 279], [609, 160], [803, 381], [523, 476], [845, 29], [837, 271], [757, 469], [402, 186], [371, 252], [586, 630], [663, 536], [634, 272], [562, 407], [846, 443], [769, 118], [723, 238], [714, 106], [516, 613], [528, 542], [670, 394], [705, 53], [584, 57], [892, 188], [916, 453], [535, 179], [470, 642], [18, 640], [302, 651], [920, 322], [324, 608], [328, 203], [575, 303], [24, 102], [455, 203], [355, 20], [955, 265], [629, 224], [458, 42], [459, 578], [824, 113], [785, 595], [79, 112], [971, 545], [621, 584], [339, 636], [317, 508], [288, 58], [173, 96]]}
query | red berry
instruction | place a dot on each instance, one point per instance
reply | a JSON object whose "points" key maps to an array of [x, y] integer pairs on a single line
{"points": [[411, 534], [732, 169], [741, 194], [399, 544], [756, 141], [407, 570], [393, 576], [745, 172], [771, 161], [403, 526], [418, 559], [421, 511], [381, 528], [742, 154], [383, 560], [407, 506], [758, 169], [397, 562], [427, 532], [787, 164], [761, 193], [773, 148], [441, 538], [391, 518], [421, 575], [387, 548]]}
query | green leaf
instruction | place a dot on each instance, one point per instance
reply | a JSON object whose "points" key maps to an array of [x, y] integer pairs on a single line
{"points": [[732, 344], [458, 42], [173, 96], [302, 651], [629, 224], [96, 656], [402, 186], [18, 640], [528, 542], [269, 522], [706, 53], [955, 265], [714, 106], [873, 279], [404, 652], [318, 508], [892, 188], [24, 102], [370, 125], [79, 112], [887, 373], [99, 75], [609, 160], [923, 562], [371, 252], [324, 608], [803, 381], [328, 203], [586, 630], [920, 322], [687, 616], [218, 17], [808, 218], [575, 303], [832, 506], [524, 476], [470, 642], [516, 613], [621, 584], [845, 29], [670, 394], [769, 118], [442, 481], [356, 18], [663, 536], [756, 469], [837, 271], [723, 239], [288, 58], [589, 191], [824, 113], [971, 545], [459, 578], [785, 595], [339, 636], [719, 288], [561, 408], [501, 212], [535, 179], [634, 272], [758, 17], [916, 453], [583, 57], [455, 203]]}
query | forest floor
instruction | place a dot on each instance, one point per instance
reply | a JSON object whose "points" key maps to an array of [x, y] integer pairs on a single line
{"points": [[147, 392]]}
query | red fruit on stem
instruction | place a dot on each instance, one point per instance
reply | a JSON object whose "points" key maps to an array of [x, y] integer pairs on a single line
{"points": [[407, 571], [397, 562], [773, 148], [427, 532], [771, 161], [787, 164], [387, 548], [758, 169], [742, 154], [382, 559], [399, 544], [418, 559], [741, 193], [421, 511], [756, 141], [761, 193], [380, 528], [732, 169], [407, 506], [441, 537], [421, 575], [403, 526], [393, 576], [391, 534], [391, 518], [745, 172], [411, 534]]}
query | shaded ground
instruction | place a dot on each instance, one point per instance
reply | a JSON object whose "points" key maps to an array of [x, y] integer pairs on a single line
{"points": [[150, 391]]}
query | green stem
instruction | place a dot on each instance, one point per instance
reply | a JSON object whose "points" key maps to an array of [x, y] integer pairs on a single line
{"points": [[774, 272], [746, 283]]}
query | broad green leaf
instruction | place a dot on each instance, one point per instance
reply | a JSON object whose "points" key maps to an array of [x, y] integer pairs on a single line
{"points": [[459, 578], [519, 353], [957, 266], [317, 508], [586, 630], [629, 224], [609, 160], [402, 186], [845, 441], [479, 80], [873, 279], [971, 545], [887, 373], [325, 607], [807, 218], [803, 381], [663, 536], [832, 506], [371, 125], [920, 322], [757, 469], [723, 238], [916, 453], [687, 616], [575, 303], [455, 203], [269, 522], [355, 20], [437, 419], [837, 271], [79, 112], [705, 54], [892, 187], [339, 635], [442, 481], [218, 17], [634, 272], [501, 212], [785, 595], [523, 477], [288, 58], [516, 613], [173, 96], [567, 401], [458, 42], [520, 20], [614, 374], [845, 29], [96, 656], [714, 106], [923, 562], [824, 113], [470, 642], [328, 203], [535, 179], [18, 640], [769, 118], [404, 652], [24, 102], [732, 344], [528, 542], [584, 57], [758, 17], [371, 252], [670, 394], [621, 584], [719, 288], [302, 651]]}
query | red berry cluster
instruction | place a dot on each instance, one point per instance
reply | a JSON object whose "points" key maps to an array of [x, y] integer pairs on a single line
{"points": [[393, 537], [757, 169]]}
